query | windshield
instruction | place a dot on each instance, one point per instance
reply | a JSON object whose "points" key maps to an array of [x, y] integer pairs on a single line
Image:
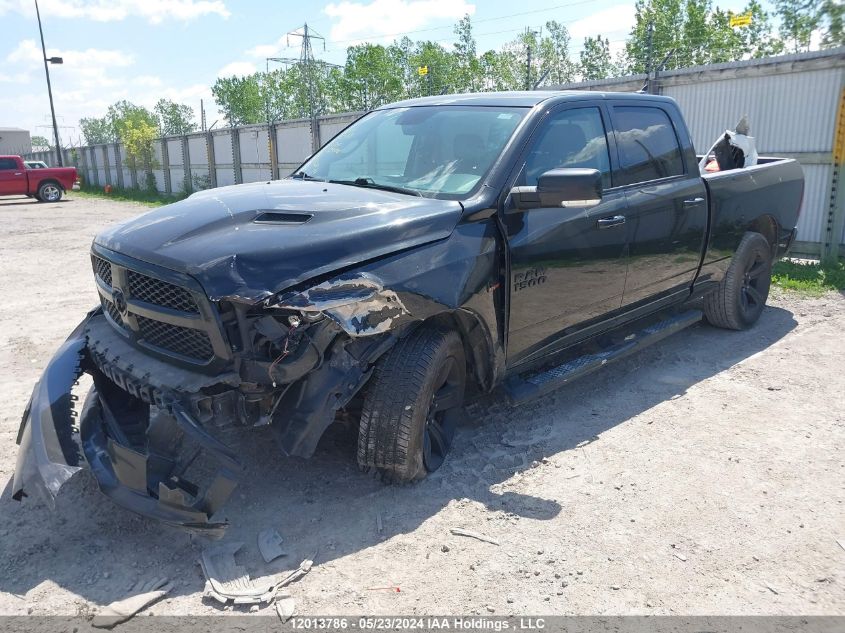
{"points": [[429, 151]]}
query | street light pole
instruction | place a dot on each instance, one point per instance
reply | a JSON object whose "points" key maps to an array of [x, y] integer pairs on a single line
{"points": [[56, 60]]}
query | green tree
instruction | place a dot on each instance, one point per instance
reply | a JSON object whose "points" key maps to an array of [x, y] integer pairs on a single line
{"points": [[595, 58], [832, 18], [371, 77], [694, 48], [137, 135], [174, 118], [555, 64], [657, 31], [122, 114], [41, 141], [468, 76], [441, 69], [240, 99], [758, 39], [97, 130], [798, 20]]}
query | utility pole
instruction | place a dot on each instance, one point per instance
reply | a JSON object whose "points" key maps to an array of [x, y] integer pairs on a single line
{"points": [[202, 116], [649, 54], [528, 34], [52, 60], [307, 62]]}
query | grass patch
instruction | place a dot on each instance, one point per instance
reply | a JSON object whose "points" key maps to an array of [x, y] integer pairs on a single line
{"points": [[809, 278], [142, 196]]}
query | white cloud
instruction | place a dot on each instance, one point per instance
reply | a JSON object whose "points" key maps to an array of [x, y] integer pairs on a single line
{"points": [[613, 23], [27, 54], [238, 69], [89, 68], [154, 11], [383, 18], [265, 50]]}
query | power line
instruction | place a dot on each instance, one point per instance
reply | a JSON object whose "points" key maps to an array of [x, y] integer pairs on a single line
{"points": [[480, 21]]}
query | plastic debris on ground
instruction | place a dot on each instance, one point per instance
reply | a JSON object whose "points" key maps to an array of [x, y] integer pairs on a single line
{"points": [[285, 608], [270, 545], [143, 594], [475, 535], [226, 581]]}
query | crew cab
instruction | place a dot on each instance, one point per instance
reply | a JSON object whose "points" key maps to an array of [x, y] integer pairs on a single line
{"points": [[46, 184], [436, 249]]}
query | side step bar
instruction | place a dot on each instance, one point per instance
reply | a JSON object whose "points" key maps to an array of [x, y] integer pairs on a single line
{"points": [[527, 386]]}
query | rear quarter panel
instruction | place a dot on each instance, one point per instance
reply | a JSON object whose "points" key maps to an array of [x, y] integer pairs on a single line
{"points": [[741, 199], [65, 176]]}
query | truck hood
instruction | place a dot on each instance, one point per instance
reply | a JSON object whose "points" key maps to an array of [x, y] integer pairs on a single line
{"points": [[247, 242]]}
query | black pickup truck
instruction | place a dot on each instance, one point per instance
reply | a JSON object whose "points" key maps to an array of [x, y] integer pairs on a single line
{"points": [[435, 249]]}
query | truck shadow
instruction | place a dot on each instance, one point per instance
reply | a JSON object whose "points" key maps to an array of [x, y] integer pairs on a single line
{"points": [[325, 505], [25, 201]]}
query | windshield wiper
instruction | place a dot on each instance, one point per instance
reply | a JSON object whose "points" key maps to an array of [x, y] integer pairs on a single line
{"points": [[372, 184], [301, 175]]}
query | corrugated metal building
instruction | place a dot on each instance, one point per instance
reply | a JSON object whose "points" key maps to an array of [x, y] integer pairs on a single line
{"points": [[796, 106], [15, 140]]}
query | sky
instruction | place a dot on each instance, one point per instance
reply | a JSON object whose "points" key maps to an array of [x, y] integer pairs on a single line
{"points": [[143, 50]]}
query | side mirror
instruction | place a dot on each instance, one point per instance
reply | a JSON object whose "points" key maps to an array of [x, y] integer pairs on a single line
{"points": [[562, 187]]}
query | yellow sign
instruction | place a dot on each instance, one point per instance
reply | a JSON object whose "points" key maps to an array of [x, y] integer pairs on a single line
{"points": [[741, 20], [422, 70]]}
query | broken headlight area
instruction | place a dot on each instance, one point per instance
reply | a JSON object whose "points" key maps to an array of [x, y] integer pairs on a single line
{"points": [[358, 303]]}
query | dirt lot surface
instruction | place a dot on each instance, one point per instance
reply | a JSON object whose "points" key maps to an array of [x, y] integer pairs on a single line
{"points": [[702, 476]]}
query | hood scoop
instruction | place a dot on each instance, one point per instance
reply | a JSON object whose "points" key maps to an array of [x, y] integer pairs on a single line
{"points": [[282, 217]]}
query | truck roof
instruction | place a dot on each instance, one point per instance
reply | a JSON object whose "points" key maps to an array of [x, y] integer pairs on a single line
{"points": [[520, 99]]}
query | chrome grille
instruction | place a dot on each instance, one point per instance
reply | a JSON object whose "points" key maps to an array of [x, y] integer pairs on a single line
{"points": [[113, 312], [160, 293], [165, 317], [173, 338], [102, 269]]}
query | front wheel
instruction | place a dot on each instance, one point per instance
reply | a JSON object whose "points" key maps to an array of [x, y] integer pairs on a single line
{"points": [[741, 296], [413, 405], [49, 192]]}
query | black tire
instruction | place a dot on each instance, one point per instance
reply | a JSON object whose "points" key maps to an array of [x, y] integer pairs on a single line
{"points": [[49, 192], [741, 296], [412, 405]]}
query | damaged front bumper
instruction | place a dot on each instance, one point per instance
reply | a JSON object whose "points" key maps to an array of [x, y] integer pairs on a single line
{"points": [[146, 477]]}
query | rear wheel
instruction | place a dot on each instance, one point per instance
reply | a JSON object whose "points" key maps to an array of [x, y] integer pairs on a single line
{"points": [[49, 192], [412, 405], [741, 296]]}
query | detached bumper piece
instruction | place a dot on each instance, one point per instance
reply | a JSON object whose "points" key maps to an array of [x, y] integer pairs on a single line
{"points": [[140, 455]]}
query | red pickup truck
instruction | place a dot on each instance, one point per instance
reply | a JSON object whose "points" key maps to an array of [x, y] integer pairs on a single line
{"points": [[46, 185]]}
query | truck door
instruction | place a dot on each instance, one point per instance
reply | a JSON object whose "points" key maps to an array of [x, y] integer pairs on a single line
{"points": [[567, 263], [12, 177], [667, 210]]}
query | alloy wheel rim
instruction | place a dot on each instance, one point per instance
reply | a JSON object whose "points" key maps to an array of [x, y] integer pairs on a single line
{"points": [[440, 423], [751, 295], [51, 193]]}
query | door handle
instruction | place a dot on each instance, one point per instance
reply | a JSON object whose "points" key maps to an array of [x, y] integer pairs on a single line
{"points": [[18, 173], [613, 220], [693, 202]]}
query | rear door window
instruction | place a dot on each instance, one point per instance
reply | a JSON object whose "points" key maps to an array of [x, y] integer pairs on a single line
{"points": [[8, 163], [648, 145]]}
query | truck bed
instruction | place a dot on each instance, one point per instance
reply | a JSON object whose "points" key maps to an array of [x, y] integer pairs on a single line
{"points": [[767, 193]]}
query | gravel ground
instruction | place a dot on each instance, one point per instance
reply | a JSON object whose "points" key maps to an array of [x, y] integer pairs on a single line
{"points": [[701, 476]]}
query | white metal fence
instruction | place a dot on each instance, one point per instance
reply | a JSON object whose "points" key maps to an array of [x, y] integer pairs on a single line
{"points": [[201, 160], [796, 105]]}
